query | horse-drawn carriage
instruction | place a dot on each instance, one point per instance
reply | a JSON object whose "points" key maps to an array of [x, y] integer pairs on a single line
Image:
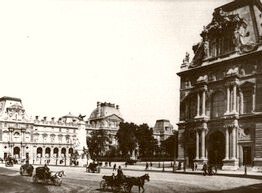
{"points": [[45, 176], [9, 161], [26, 169], [123, 184]]}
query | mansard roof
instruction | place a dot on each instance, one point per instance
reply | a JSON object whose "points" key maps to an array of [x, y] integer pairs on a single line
{"points": [[10, 98], [240, 3], [233, 31]]}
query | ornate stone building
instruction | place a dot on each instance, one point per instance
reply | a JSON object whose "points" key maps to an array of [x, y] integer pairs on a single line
{"points": [[106, 116], [221, 90], [48, 141], [162, 130]]}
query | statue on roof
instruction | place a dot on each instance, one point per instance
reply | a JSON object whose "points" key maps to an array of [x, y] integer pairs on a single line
{"points": [[186, 59], [81, 117]]}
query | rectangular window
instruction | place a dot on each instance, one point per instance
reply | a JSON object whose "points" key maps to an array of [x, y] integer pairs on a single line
{"points": [[247, 101]]}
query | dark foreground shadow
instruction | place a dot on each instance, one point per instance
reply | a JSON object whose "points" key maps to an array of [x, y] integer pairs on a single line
{"points": [[255, 188]]}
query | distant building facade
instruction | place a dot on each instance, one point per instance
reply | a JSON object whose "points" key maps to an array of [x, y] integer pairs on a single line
{"points": [[162, 130], [106, 116], [48, 141], [221, 91]]}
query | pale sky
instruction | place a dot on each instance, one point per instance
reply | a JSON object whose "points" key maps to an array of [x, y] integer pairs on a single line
{"points": [[62, 56]]}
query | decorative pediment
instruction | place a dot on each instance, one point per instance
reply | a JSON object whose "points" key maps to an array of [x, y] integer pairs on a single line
{"points": [[221, 21], [226, 33], [114, 117]]}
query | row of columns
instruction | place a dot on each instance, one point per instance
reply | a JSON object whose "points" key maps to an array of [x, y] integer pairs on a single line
{"points": [[203, 145], [201, 95], [231, 99], [227, 140]]}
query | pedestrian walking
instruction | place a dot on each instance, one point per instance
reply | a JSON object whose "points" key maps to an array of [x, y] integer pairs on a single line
{"points": [[114, 167], [146, 166], [195, 166], [204, 169]]}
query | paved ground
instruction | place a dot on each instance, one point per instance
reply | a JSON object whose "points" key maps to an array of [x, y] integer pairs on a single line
{"points": [[77, 180]]}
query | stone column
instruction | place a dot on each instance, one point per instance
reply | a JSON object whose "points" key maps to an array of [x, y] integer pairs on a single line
{"points": [[228, 100], [234, 98], [203, 103], [234, 143], [241, 102], [11, 141], [254, 100], [197, 145], [203, 145], [198, 104], [227, 145]]}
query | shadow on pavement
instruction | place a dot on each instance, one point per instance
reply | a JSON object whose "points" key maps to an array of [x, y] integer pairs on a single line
{"points": [[255, 188]]}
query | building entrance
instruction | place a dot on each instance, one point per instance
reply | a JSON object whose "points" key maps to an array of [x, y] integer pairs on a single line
{"points": [[16, 152], [216, 148], [247, 156]]}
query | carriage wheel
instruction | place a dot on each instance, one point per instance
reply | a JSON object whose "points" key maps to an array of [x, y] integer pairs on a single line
{"points": [[103, 185], [126, 187], [58, 182]]}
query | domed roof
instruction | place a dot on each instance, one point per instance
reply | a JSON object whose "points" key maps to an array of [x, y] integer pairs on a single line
{"points": [[69, 117], [105, 110]]}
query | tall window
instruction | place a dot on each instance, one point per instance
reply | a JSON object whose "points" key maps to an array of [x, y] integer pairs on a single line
{"points": [[192, 106], [17, 137], [218, 104], [247, 100], [221, 45]]}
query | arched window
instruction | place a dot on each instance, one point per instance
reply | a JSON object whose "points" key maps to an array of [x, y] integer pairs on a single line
{"points": [[218, 104], [39, 152], [63, 152], [47, 152], [55, 151], [17, 137]]}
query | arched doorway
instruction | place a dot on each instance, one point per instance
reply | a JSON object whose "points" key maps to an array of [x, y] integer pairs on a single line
{"points": [[63, 152], [47, 152], [39, 152], [216, 148], [16, 152]]}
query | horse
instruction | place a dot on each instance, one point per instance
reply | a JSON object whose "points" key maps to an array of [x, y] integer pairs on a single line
{"points": [[60, 173], [137, 181]]}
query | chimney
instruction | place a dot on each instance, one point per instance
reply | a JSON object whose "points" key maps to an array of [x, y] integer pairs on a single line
{"points": [[99, 105]]}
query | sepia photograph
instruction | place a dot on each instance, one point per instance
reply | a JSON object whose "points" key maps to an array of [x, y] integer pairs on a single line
{"points": [[131, 96]]}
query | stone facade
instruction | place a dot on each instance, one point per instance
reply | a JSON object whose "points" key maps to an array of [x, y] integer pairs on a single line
{"points": [[106, 116], [41, 140], [221, 91], [162, 130]]}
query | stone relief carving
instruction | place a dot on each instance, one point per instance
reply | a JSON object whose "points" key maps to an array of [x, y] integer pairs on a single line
{"points": [[242, 135], [202, 78], [232, 70], [242, 40]]}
